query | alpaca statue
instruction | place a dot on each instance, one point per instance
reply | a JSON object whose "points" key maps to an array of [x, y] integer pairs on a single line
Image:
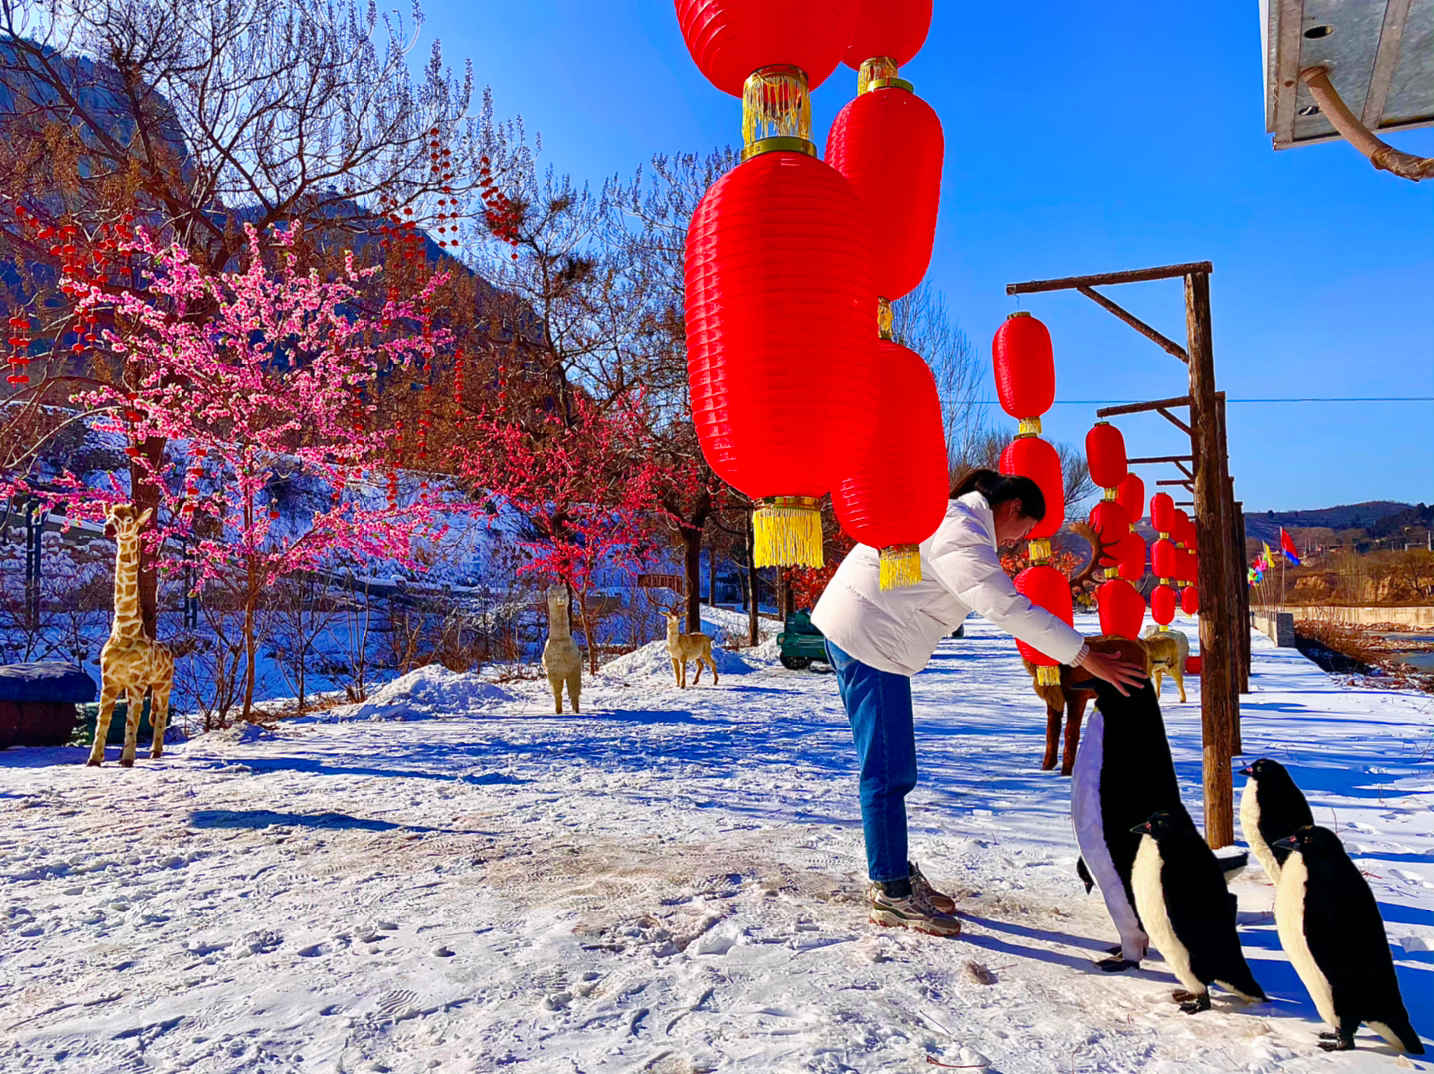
{"points": [[684, 647], [561, 660], [131, 661]]}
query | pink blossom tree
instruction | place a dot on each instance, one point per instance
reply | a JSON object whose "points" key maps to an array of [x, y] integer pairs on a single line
{"points": [[259, 379]]}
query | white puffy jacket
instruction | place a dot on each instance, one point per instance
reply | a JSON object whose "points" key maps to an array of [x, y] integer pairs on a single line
{"points": [[897, 630]]}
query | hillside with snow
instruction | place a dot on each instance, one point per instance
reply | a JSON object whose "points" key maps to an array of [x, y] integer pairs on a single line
{"points": [[450, 877]]}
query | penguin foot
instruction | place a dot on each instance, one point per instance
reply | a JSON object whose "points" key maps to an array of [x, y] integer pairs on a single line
{"points": [[1180, 995], [1117, 965], [1338, 1044], [1197, 1004]]}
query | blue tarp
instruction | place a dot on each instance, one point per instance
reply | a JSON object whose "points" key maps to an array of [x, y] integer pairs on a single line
{"points": [[46, 680]]}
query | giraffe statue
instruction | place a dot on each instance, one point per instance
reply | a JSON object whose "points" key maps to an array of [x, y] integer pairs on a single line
{"points": [[131, 660], [561, 659]]}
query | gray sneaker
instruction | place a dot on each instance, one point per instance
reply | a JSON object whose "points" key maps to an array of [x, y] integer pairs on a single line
{"points": [[922, 888], [913, 912]]}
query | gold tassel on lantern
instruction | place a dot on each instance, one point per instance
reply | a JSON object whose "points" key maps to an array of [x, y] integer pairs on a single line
{"points": [[787, 532], [900, 566], [1048, 675], [1039, 550], [876, 69], [776, 112], [1029, 427]]}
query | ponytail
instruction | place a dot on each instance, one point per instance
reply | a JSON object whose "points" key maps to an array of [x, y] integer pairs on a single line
{"points": [[1002, 488]]}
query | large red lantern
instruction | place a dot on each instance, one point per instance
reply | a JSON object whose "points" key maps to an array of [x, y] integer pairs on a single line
{"points": [[1162, 605], [1132, 557], [896, 494], [1122, 608], [1048, 587], [780, 358], [1130, 494], [730, 39], [1030, 456], [1025, 369], [895, 29], [1163, 559], [888, 144], [1105, 453], [1109, 521], [1162, 512], [1190, 600]]}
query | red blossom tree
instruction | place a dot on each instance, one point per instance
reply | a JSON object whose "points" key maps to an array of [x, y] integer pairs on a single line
{"points": [[585, 483]]}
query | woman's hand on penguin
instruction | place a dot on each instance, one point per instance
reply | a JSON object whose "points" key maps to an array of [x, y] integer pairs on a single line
{"points": [[1121, 674]]}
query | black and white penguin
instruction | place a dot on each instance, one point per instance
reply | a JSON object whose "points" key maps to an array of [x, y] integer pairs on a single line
{"points": [[1188, 912], [1329, 925], [1271, 808], [1123, 773]]}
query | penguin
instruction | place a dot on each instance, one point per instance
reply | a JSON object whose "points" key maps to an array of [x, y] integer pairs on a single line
{"points": [[1188, 912], [1271, 808], [1123, 773], [1329, 925]]}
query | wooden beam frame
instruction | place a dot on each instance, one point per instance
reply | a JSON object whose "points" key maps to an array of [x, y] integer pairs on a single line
{"points": [[1067, 283], [1168, 345], [1141, 408], [1206, 473]]}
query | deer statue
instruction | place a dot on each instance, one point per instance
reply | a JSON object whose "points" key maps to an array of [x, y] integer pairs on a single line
{"points": [[684, 647], [562, 662], [131, 661], [1066, 697]]}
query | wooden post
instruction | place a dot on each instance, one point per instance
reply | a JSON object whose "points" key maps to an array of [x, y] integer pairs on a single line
{"points": [[1218, 701]]}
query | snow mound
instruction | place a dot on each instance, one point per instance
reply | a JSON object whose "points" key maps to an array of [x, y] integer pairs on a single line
{"points": [[429, 692], [652, 661]]}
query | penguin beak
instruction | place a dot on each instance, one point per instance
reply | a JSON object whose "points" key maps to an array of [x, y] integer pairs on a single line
{"points": [[1287, 843], [1247, 771], [1141, 829]]}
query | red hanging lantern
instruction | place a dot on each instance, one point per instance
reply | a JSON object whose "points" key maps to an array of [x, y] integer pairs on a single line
{"points": [[1025, 369], [1130, 494], [895, 29], [1190, 600], [1122, 608], [1132, 557], [1163, 559], [888, 143], [1110, 523], [896, 495], [1162, 512], [1105, 452], [729, 39], [1048, 587], [1030, 456], [780, 362], [1162, 605]]}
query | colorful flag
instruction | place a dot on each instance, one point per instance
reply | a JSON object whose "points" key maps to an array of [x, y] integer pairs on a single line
{"points": [[1287, 546]]}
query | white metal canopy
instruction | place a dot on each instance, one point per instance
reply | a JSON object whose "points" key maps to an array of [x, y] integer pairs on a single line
{"points": [[1379, 56]]}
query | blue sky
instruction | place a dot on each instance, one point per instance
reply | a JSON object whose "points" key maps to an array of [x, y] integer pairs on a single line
{"points": [[1081, 138]]}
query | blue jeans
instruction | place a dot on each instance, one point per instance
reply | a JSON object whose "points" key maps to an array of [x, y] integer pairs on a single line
{"points": [[878, 704]]}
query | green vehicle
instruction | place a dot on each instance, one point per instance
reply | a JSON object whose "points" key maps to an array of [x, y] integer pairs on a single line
{"points": [[800, 642]]}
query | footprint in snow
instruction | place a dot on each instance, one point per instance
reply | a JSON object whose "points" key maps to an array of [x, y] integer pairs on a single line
{"points": [[260, 941]]}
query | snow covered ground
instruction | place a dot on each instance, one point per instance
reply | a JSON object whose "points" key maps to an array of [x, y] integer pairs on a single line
{"points": [[456, 879]]}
